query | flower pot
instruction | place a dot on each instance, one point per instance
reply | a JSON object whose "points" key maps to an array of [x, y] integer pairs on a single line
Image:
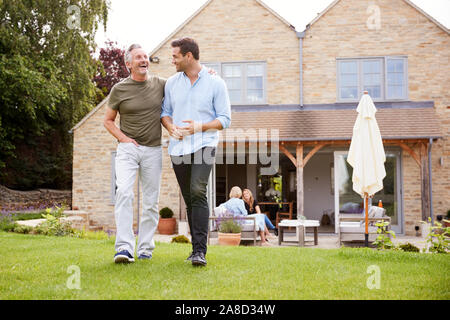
{"points": [[229, 239], [167, 225]]}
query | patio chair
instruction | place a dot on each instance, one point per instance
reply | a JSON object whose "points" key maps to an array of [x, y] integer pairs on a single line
{"points": [[285, 215], [352, 225]]}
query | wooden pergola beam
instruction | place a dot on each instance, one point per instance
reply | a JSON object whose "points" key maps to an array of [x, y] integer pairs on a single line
{"points": [[288, 154], [414, 155], [313, 152]]}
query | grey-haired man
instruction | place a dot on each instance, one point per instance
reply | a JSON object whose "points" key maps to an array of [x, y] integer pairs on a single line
{"points": [[138, 100]]}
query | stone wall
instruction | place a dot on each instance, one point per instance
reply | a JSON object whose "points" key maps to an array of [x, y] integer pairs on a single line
{"points": [[33, 200]]}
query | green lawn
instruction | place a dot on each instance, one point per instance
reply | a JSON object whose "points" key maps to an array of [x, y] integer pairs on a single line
{"points": [[35, 267]]}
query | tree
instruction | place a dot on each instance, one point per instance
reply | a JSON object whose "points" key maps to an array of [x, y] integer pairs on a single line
{"points": [[46, 73], [112, 68]]}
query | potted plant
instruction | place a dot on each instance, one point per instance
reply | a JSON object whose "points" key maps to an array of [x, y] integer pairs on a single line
{"points": [[167, 223], [229, 232]]}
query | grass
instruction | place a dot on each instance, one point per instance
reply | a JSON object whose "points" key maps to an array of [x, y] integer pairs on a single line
{"points": [[36, 267]]}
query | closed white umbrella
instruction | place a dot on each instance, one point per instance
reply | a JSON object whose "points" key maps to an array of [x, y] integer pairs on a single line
{"points": [[366, 154]]}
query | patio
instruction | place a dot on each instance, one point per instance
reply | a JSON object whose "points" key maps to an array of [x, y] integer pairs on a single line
{"points": [[326, 241]]}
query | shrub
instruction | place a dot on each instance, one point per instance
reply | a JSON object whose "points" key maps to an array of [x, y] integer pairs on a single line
{"points": [[438, 238], [22, 229], [230, 226], [383, 240], [408, 247], [180, 239], [53, 226], [166, 213], [7, 223]]}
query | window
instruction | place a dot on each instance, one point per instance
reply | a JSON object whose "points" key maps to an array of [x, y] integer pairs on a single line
{"points": [[246, 81], [396, 82], [384, 78]]}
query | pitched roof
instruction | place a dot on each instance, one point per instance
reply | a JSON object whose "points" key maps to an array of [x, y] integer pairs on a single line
{"points": [[196, 13], [331, 6], [334, 124], [92, 112]]}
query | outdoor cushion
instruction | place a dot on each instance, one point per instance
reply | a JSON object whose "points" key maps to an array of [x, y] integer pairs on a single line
{"points": [[376, 212]]}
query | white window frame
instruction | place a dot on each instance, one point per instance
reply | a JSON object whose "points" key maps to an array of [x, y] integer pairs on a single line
{"points": [[218, 66], [384, 84]]}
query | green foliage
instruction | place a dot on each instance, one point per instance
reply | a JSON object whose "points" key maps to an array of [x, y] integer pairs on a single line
{"points": [[166, 213], [408, 247], [180, 239], [26, 215], [438, 238], [90, 235], [448, 215], [54, 226], [22, 229], [7, 223], [229, 226], [46, 72], [383, 240]]}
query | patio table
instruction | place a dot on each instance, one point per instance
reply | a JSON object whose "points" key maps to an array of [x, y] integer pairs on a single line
{"points": [[300, 226]]}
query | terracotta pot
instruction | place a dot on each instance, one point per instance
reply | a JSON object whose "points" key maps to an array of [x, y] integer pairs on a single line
{"points": [[167, 225], [229, 239]]}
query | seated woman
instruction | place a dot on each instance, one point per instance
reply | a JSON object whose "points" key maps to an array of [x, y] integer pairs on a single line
{"points": [[237, 207], [252, 207]]}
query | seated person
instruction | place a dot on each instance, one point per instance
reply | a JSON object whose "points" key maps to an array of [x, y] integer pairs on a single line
{"points": [[252, 207], [237, 207]]}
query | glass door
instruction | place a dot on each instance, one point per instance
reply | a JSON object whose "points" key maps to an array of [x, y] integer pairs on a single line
{"points": [[348, 201]]}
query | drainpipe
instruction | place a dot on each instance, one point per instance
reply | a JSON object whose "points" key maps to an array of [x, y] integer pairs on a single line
{"points": [[301, 36], [430, 180]]}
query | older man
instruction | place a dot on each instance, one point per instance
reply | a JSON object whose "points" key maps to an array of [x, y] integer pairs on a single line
{"points": [[196, 106], [138, 100]]}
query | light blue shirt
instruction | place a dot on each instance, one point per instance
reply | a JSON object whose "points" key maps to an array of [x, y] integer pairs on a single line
{"points": [[204, 101], [236, 206]]}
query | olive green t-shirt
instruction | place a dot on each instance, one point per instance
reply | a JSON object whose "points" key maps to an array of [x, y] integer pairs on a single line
{"points": [[139, 105]]}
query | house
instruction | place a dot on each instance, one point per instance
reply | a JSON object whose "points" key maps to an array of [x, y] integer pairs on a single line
{"points": [[295, 94]]}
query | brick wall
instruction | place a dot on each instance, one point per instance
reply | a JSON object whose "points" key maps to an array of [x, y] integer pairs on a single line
{"points": [[343, 32], [242, 30]]}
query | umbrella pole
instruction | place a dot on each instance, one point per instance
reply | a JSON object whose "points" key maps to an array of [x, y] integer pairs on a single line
{"points": [[366, 208]]}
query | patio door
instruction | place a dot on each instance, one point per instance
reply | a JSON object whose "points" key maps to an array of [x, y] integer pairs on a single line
{"points": [[348, 201]]}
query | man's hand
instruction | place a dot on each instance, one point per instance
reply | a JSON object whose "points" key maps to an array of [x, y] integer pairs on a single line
{"points": [[108, 122], [211, 71], [191, 128], [129, 140], [174, 131]]}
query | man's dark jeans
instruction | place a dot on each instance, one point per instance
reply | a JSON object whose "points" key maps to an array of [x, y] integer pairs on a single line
{"points": [[192, 172]]}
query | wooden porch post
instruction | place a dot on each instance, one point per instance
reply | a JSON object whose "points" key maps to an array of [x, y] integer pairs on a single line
{"points": [[425, 185], [421, 161], [300, 191], [299, 163]]}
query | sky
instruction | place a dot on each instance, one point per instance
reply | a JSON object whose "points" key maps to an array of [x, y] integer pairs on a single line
{"points": [[161, 18]]}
